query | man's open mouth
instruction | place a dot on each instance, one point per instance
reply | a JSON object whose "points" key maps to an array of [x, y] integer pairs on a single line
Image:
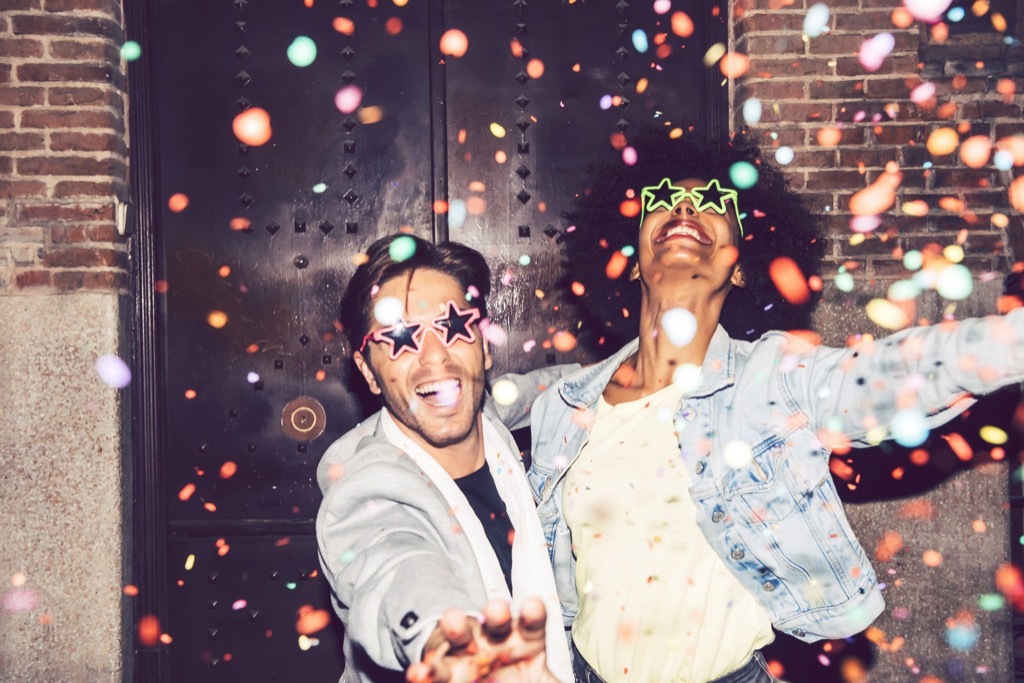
{"points": [[682, 229], [442, 393]]}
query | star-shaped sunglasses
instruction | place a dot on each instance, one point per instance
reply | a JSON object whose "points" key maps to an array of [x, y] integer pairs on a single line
{"points": [[404, 336], [711, 197]]}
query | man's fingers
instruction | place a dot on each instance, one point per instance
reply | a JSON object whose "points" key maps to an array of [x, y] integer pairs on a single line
{"points": [[455, 626], [532, 619], [419, 673], [497, 621]]}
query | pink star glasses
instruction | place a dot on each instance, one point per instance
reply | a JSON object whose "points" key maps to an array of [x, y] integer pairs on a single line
{"points": [[404, 336]]}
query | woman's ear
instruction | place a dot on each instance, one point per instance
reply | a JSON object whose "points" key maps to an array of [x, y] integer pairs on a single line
{"points": [[738, 278], [367, 372]]}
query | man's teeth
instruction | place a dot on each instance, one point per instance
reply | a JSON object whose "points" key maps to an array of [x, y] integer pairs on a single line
{"points": [[445, 387]]}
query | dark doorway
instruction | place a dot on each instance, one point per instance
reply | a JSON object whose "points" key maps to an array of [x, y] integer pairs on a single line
{"points": [[242, 377]]}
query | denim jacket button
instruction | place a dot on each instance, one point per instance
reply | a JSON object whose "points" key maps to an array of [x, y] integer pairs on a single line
{"points": [[699, 467], [689, 414], [717, 516], [799, 633], [738, 554], [768, 586]]}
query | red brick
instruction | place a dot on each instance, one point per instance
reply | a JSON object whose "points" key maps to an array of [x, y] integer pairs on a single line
{"points": [[76, 213], [893, 64], [833, 89], [891, 88], [13, 96], [816, 203], [789, 136], [67, 234], [766, 66], [869, 156], [862, 111], [814, 158], [6, 119], [81, 188], [769, 21], [963, 178], [71, 96], [32, 278], [866, 20], [51, 72], [22, 188], [107, 6], [84, 258], [66, 25], [47, 118], [834, 179], [6, 166], [20, 47], [1007, 129], [68, 280], [989, 110], [21, 141], [895, 134], [772, 45], [5, 73], [82, 50], [797, 111], [10, 5], [65, 166], [835, 44], [104, 232], [773, 89], [87, 142]]}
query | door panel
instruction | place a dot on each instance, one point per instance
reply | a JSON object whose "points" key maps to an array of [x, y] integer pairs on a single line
{"points": [[255, 381]]}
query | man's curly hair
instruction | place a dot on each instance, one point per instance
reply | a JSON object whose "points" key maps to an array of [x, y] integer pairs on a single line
{"points": [[775, 223]]}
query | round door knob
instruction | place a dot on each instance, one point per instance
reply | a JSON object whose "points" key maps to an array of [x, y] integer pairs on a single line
{"points": [[303, 418]]}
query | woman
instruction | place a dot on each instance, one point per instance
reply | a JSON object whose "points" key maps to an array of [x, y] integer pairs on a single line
{"points": [[683, 483]]}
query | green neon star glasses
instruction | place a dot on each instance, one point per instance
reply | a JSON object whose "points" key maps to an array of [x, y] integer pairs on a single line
{"points": [[664, 196]]}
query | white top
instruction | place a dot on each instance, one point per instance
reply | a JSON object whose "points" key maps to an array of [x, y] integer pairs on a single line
{"points": [[657, 604]]}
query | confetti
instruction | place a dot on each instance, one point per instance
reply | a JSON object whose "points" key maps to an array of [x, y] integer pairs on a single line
{"points": [[348, 99], [252, 127], [310, 620], [886, 314], [113, 371], [784, 155], [752, 114], [402, 248], [993, 435], [816, 20], [680, 326], [873, 51], [662, 6], [942, 141], [714, 53], [955, 282], [640, 40], [302, 51], [616, 265], [909, 428], [743, 175], [493, 332], [737, 454], [878, 196], [217, 319], [131, 51], [682, 24], [922, 93], [149, 630], [454, 43], [734, 64], [927, 10], [688, 376], [388, 310], [962, 633], [789, 280], [504, 392], [563, 341]]}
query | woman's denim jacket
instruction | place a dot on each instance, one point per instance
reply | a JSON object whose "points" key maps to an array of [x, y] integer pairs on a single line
{"points": [[776, 521]]}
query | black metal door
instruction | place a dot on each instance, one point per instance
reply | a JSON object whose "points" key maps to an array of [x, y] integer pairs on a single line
{"points": [[242, 381]]}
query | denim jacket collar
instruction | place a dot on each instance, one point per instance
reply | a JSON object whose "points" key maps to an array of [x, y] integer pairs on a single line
{"points": [[718, 371]]}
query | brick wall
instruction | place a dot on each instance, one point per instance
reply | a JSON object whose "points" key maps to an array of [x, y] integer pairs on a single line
{"points": [[63, 155], [811, 85]]}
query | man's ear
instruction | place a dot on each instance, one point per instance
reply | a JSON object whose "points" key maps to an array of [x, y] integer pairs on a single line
{"points": [[367, 372], [738, 278], [488, 360]]}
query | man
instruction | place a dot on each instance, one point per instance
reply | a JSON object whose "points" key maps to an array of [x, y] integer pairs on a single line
{"points": [[426, 505]]}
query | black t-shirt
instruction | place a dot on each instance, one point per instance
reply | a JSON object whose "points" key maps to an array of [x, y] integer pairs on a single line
{"points": [[483, 497]]}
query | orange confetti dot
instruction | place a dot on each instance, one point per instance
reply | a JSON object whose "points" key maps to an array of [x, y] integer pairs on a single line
{"points": [[1016, 193], [165, 638], [393, 26], [440, 206], [224, 271], [309, 620], [890, 544], [578, 289], [829, 137], [734, 64], [630, 208], [228, 469], [210, 507], [975, 151], [876, 197], [344, 25], [160, 286], [563, 341], [500, 157], [190, 394], [517, 48], [682, 24], [177, 202], [149, 630], [217, 319], [238, 223], [960, 447], [476, 206], [131, 590], [535, 68], [454, 43], [186, 491], [616, 265], [978, 526], [919, 456], [252, 127], [321, 375], [942, 141], [788, 279], [902, 18], [931, 558]]}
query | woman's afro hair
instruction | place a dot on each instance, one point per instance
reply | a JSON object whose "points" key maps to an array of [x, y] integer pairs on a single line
{"points": [[775, 224]]}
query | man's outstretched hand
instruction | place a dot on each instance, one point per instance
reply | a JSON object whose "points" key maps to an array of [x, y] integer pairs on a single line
{"points": [[502, 649]]}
